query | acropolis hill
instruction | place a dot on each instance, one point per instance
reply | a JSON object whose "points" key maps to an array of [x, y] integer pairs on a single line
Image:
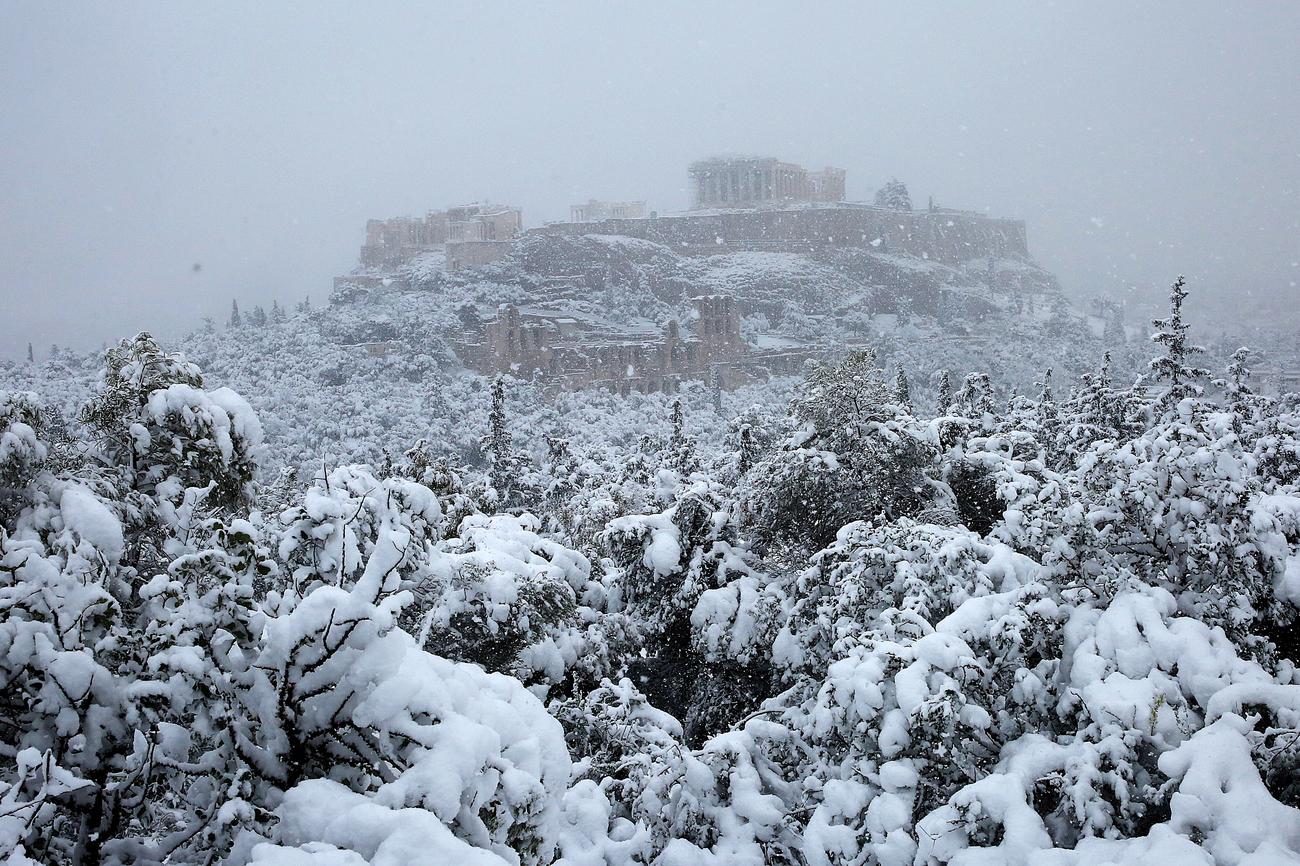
{"points": [[754, 203], [634, 300]]}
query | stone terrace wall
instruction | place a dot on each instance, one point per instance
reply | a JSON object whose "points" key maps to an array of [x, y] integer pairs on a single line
{"points": [[951, 237]]}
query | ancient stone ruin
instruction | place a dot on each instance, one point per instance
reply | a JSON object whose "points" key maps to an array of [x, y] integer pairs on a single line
{"points": [[741, 204]]}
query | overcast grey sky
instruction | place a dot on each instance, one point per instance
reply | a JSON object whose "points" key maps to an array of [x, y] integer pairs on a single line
{"points": [[254, 139]]}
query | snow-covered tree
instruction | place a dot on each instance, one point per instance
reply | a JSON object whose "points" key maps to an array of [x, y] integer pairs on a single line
{"points": [[902, 390], [505, 465], [894, 195], [1174, 371], [852, 456], [153, 421], [944, 394]]}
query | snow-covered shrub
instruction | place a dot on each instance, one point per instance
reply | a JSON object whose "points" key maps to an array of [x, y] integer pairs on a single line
{"points": [[853, 456], [667, 562], [22, 451], [388, 751], [1176, 504], [496, 588]]}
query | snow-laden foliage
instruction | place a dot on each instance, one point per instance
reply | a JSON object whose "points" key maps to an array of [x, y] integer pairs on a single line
{"points": [[1058, 629]]}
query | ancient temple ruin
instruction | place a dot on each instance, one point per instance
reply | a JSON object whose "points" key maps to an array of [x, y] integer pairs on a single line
{"points": [[759, 181]]}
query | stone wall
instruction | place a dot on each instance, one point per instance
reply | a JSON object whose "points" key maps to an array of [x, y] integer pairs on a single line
{"points": [[559, 350], [470, 254], [593, 209], [950, 237], [392, 242], [483, 222]]}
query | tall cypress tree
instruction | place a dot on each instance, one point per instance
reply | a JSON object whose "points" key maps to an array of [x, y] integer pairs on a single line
{"points": [[1174, 368], [498, 443], [945, 392], [902, 389]]}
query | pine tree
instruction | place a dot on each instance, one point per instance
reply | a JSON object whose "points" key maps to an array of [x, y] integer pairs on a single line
{"points": [[1045, 389], [498, 432], [31, 356], [902, 390], [1174, 368], [976, 394], [945, 392], [680, 455], [503, 464], [1236, 388], [257, 318], [277, 313], [894, 195], [236, 321], [715, 380], [155, 424], [1114, 335], [1103, 372], [745, 456]]}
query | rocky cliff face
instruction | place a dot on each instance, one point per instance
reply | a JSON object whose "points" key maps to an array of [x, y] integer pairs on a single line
{"points": [[629, 279]]}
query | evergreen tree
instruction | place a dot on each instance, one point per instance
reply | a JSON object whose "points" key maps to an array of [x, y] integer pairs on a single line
{"points": [[902, 390], [680, 454], [257, 318], [236, 321], [1114, 334], [894, 195], [504, 465], [945, 392], [1045, 389], [499, 440], [1174, 368], [157, 426], [976, 394], [30, 355], [745, 449], [849, 457], [1236, 387]]}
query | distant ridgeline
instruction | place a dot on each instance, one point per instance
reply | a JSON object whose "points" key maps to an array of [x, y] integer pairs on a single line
{"points": [[616, 325]]}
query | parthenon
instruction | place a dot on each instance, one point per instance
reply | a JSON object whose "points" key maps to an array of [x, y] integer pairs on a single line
{"points": [[751, 181]]}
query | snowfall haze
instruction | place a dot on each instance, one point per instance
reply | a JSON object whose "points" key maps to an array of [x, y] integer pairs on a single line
{"points": [[160, 160]]}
